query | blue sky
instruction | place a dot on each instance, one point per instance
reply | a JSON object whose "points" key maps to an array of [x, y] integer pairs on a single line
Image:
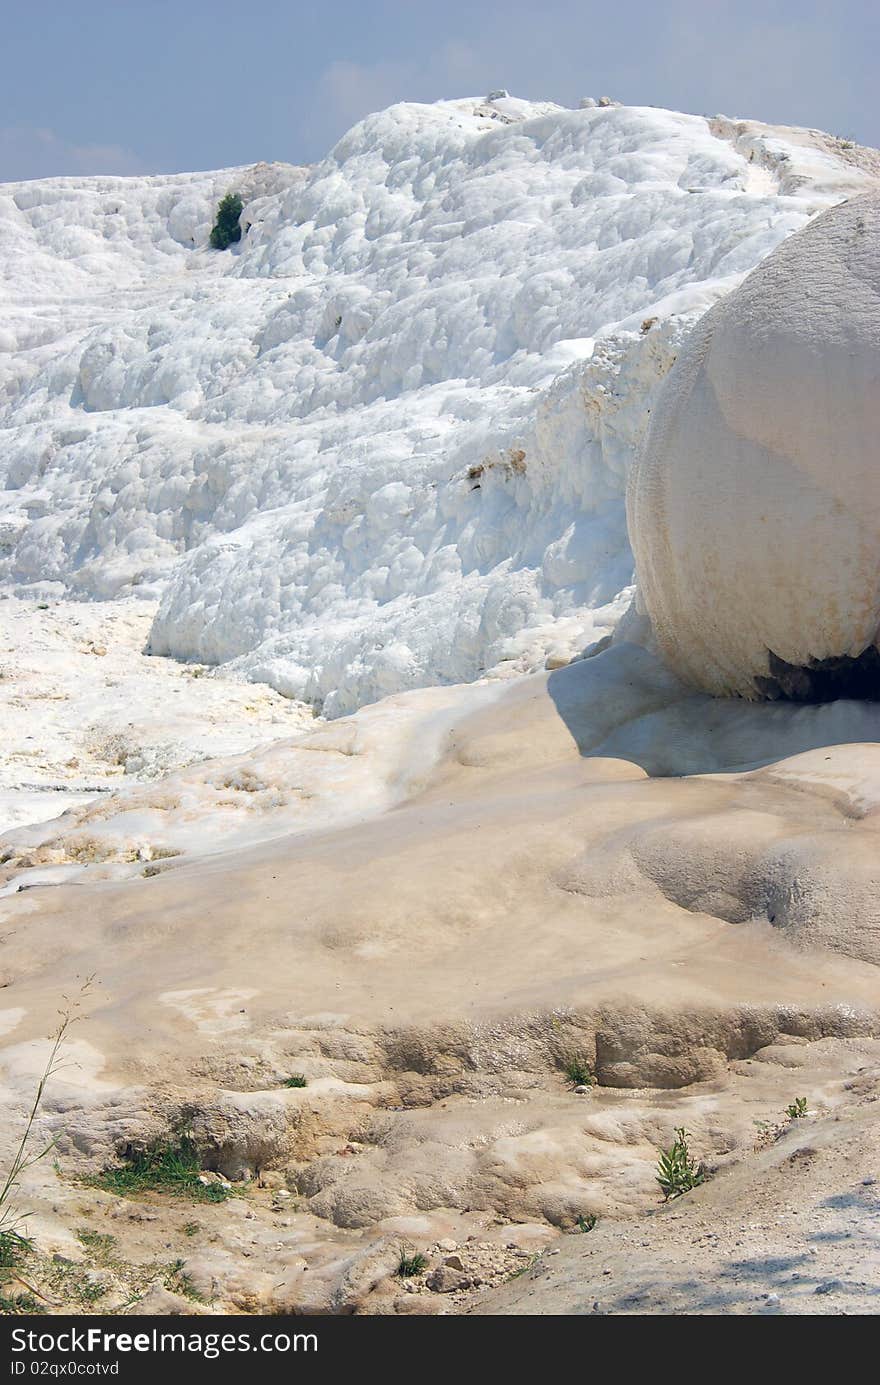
{"points": [[92, 86]]}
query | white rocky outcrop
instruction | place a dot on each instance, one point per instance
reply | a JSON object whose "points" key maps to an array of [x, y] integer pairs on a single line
{"points": [[754, 509], [382, 442]]}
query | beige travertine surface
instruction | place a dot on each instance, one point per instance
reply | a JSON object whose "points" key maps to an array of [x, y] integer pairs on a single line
{"points": [[543, 884]]}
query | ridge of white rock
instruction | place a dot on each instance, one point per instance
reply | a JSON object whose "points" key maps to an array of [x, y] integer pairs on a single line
{"points": [[755, 506], [382, 442]]}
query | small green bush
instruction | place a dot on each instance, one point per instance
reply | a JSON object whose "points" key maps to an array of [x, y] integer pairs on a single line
{"points": [[677, 1171], [411, 1265], [296, 1079], [798, 1108], [226, 230], [578, 1071]]}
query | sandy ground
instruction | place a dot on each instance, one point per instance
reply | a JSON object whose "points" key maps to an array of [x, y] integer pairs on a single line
{"points": [[793, 1229]]}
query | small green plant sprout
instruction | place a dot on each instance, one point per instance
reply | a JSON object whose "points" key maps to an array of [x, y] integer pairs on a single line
{"points": [[227, 230], [586, 1222], [797, 1109], [578, 1071], [296, 1079], [524, 1269], [677, 1170], [411, 1265]]}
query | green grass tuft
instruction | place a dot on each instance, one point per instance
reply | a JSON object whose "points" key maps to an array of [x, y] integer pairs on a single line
{"points": [[99, 1246], [411, 1265], [20, 1304], [10, 1249], [177, 1282], [166, 1166], [13, 1249], [296, 1079]]}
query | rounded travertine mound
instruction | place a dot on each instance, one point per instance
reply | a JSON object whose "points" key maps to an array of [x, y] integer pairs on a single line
{"points": [[754, 509]]}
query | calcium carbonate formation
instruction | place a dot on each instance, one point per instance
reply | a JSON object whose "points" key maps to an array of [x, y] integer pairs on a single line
{"points": [[382, 441], [755, 506]]}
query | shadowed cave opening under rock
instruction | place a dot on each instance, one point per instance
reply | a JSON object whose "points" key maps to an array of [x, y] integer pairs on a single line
{"points": [[824, 680]]}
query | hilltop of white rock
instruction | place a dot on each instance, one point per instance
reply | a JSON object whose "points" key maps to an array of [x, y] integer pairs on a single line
{"points": [[383, 441]]}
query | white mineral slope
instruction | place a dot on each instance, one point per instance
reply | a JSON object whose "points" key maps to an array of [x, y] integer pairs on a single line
{"points": [[383, 442], [84, 711], [755, 504]]}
